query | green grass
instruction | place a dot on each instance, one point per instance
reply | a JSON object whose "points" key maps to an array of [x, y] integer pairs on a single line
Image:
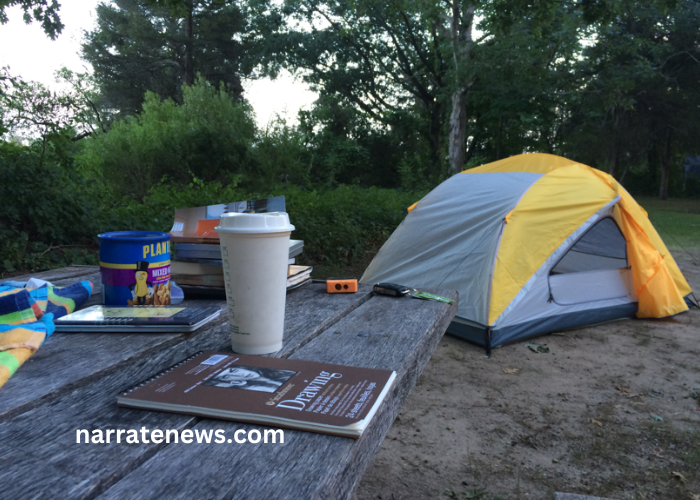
{"points": [[677, 221]]}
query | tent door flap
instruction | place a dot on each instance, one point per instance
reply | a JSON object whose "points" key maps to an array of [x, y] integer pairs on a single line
{"points": [[591, 286]]}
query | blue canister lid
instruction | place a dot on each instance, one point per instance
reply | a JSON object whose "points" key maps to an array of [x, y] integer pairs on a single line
{"points": [[134, 236]]}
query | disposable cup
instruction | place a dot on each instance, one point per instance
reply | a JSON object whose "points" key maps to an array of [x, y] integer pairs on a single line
{"points": [[255, 253]]}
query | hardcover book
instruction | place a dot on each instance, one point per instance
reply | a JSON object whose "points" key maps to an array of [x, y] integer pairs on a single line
{"points": [[298, 274], [137, 319], [210, 253], [205, 275], [296, 394], [196, 224]]}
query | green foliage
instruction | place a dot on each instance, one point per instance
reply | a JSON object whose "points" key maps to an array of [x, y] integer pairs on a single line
{"points": [[347, 223], [42, 11], [28, 108], [379, 60], [208, 137], [338, 225], [281, 154], [348, 148], [517, 97], [52, 215], [639, 100], [138, 47], [47, 217], [156, 211]]}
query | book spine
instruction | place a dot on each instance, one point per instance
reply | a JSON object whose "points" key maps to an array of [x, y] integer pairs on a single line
{"points": [[159, 375]]}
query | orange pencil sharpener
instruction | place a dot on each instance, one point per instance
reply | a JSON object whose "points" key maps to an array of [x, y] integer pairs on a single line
{"points": [[341, 285]]}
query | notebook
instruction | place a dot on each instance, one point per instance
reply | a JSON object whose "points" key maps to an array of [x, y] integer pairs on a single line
{"points": [[293, 393], [136, 319]]}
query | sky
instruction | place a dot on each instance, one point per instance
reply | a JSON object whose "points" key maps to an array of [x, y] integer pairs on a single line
{"points": [[34, 56]]}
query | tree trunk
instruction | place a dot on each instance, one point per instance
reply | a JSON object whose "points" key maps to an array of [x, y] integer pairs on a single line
{"points": [[653, 163], [189, 35], [473, 145], [461, 41], [458, 130], [614, 166], [614, 160], [499, 137], [666, 166], [435, 136]]}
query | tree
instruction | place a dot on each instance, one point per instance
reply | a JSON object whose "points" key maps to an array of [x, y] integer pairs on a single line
{"points": [[461, 44], [382, 58], [521, 86], [393, 58], [29, 111], [42, 11], [139, 47], [639, 101], [208, 136]]}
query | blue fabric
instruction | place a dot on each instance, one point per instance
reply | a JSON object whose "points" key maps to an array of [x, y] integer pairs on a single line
{"points": [[540, 326]]}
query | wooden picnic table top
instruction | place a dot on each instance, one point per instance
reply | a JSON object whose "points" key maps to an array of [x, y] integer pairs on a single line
{"points": [[73, 380]]}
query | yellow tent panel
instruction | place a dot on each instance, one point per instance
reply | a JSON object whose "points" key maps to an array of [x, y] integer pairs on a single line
{"points": [[554, 207], [533, 243]]}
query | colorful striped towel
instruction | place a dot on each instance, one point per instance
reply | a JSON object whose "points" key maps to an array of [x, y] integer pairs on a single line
{"points": [[26, 319]]}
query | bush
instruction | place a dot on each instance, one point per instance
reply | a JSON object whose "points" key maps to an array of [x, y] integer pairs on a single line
{"points": [[281, 156], [48, 216], [345, 224], [337, 225], [157, 210], [209, 137]]}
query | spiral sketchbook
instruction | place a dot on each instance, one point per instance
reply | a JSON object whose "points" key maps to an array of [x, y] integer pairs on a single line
{"points": [[292, 393], [137, 319]]}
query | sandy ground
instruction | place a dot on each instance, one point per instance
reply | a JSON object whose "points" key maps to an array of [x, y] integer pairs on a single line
{"points": [[611, 411]]}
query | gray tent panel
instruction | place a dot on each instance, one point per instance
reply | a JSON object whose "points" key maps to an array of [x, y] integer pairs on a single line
{"points": [[481, 335], [602, 247], [534, 298], [449, 240], [591, 286], [547, 324]]}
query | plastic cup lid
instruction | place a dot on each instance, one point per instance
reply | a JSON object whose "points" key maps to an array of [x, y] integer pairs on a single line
{"points": [[271, 222]]}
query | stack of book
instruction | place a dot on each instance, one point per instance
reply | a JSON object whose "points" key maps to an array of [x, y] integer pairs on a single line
{"points": [[197, 249]]}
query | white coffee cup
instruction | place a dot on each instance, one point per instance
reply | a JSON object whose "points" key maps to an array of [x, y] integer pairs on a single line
{"points": [[255, 253]]}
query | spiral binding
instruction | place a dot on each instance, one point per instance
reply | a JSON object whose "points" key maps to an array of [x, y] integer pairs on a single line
{"points": [[161, 374]]}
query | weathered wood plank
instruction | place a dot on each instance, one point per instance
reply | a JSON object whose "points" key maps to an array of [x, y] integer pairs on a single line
{"points": [[44, 433], [398, 334], [64, 273], [63, 361], [310, 310], [574, 496]]}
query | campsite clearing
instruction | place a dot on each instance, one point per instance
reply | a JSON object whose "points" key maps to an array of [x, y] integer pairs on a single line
{"points": [[468, 425]]}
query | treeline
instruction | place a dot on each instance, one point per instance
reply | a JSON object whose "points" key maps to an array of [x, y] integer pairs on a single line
{"points": [[409, 93]]}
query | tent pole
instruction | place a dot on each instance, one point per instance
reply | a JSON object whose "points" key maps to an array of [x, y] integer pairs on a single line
{"points": [[488, 342]]}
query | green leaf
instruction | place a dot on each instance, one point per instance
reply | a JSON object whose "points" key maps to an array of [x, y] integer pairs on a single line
{"points": [[540, 349]]}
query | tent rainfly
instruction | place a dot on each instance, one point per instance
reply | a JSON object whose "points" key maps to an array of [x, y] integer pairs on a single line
{"points": [[533, 243]]}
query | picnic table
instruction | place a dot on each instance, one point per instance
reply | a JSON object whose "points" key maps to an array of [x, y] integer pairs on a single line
{"points": [[73, 380]]}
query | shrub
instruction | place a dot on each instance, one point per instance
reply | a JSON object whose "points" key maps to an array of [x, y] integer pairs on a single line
{"points": [[208, 136], [48, 215], [341, 225], [337, 225]]}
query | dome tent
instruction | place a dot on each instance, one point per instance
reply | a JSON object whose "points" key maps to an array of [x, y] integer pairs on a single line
{"points": [[533, 243]]}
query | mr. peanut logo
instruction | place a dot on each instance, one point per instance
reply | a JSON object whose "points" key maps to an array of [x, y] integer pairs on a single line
{"points": [[140, 289]]}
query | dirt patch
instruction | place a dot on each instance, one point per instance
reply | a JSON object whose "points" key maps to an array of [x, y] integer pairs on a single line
{"points": [[611, 411]]}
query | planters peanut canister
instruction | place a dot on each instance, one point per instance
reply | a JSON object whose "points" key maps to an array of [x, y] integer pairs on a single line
{"points": [[135, 268]]}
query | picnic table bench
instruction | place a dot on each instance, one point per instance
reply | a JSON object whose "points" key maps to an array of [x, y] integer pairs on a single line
{"points": [[73, 380]]}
